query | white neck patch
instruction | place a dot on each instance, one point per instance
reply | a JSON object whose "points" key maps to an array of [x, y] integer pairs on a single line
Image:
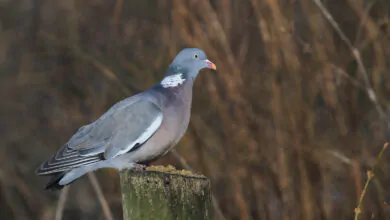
{"points": [[172, 80]]}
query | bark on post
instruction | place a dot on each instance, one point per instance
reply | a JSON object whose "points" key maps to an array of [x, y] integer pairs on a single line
{"points": [[165, 193]]}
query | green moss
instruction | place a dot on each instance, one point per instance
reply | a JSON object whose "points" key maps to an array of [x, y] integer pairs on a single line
{"points": [[173, 170]]}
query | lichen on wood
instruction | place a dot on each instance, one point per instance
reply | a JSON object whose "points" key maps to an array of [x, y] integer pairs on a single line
{"points": [[165, 193]]}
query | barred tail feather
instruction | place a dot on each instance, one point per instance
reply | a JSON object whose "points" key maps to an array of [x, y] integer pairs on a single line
{"points": [[53, 184], [66, 159]]}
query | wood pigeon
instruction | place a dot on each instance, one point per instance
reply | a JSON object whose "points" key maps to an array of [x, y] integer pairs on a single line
{"points": [[134, 131]]}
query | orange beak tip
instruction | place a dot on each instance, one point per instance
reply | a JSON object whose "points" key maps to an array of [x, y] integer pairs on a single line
{"points": [[211, 65]]}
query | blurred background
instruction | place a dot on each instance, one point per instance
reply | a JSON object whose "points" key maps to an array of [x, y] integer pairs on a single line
{"points": [[286, 129]]}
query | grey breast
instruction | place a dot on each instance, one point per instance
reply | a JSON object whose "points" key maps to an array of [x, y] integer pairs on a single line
{"points": [[178, 109], [176, 104]]}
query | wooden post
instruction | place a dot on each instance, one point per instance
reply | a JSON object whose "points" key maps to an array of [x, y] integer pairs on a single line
{"points": [[165, 193]]}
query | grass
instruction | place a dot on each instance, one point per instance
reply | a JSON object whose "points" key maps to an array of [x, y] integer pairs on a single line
{"points": [[370, 176]]}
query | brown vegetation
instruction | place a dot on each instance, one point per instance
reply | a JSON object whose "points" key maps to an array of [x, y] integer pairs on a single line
{"points": [[286, 129]]}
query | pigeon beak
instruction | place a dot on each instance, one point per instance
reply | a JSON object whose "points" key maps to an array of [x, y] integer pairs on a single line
{"points": [[210, 64]]}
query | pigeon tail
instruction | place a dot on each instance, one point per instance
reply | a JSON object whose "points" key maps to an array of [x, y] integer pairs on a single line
{"points": [[53, 184]]}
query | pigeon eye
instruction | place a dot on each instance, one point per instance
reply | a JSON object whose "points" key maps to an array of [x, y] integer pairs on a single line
{"points": [[195, 56]]}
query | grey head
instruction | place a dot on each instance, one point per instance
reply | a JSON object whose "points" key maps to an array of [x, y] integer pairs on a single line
{"points": [[189, 62]]}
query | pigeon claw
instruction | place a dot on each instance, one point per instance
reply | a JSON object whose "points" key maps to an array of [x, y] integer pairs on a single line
{"points": [[139, 167]]}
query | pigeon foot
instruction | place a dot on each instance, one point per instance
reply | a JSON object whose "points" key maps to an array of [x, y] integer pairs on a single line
{"points": [[139, 167]]}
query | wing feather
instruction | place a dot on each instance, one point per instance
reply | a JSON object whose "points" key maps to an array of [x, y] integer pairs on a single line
{"points": [[118, 131], [146, 118], [64, 160]]}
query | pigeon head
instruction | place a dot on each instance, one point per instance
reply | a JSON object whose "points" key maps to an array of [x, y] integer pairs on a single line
{"points": [[189, 62]]}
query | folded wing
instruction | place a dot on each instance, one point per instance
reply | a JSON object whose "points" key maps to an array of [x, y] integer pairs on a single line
{"points": [[116, 132]]}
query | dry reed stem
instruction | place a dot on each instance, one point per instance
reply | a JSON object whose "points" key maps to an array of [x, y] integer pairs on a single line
{"points": [[364, 17], [103, 202], [342, 73], [370, 175], [355, 52], [61, 203], [184, 163], [285, 180], [374, 36], [115, 20]]}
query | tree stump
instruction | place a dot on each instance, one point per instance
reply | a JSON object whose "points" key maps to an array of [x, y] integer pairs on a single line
{"points": [[165, 193]]}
